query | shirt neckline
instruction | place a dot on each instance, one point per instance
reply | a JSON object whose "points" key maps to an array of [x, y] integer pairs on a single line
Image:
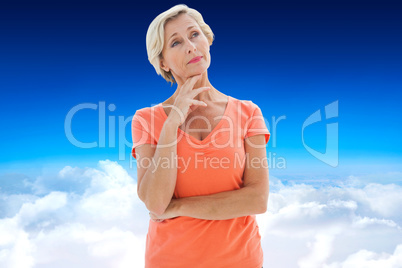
{"points": [[225, 114]]}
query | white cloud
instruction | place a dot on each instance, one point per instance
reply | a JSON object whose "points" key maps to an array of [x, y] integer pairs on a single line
{"points": [[86, 246], [363, 222], [93, 222], [384, 178], [384, 200], [320, 250], [369, 259], [42, 207], [92, 217], [308, 226]]}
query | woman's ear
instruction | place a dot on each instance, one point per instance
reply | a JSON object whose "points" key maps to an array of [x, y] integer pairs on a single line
{"points": [[163, 66]]}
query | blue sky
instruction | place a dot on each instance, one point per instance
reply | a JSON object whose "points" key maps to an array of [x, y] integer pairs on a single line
{"points": [[291, 58]]}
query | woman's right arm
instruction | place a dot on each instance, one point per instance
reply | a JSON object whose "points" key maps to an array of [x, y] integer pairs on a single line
{"points": [[157, 167], [155, 184]]}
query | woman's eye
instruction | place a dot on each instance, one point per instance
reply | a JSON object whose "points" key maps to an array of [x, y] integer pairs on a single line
{"points": [[195, 34]]}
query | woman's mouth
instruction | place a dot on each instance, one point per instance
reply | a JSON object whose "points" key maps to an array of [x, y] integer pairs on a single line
{"points": [[196, 59]]}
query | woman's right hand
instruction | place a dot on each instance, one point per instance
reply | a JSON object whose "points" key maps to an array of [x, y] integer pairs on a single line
{"points": [[185, 103]]}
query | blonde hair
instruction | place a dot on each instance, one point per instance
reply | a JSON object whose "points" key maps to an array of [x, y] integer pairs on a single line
{"points": [[156, 32]]}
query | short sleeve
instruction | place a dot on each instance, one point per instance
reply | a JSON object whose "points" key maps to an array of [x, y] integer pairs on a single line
{"points": [[140, 132], [256, 125]]}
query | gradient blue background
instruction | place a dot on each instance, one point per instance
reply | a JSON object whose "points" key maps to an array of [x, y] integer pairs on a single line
{"points": [[290, 57]]}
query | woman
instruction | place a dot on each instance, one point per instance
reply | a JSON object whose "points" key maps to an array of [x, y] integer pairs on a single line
{"points": [[201, 160]]}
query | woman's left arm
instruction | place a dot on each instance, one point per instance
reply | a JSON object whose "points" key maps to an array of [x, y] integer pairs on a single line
{"points": [[248, 200]]}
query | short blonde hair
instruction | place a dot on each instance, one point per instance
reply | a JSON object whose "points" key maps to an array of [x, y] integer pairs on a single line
{"points": [[156, 32]]}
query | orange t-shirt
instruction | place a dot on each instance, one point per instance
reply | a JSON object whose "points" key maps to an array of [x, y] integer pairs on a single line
{"points": [[213, 165]]}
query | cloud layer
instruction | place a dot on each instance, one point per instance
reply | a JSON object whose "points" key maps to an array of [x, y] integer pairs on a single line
{"points": [[332, 226], [86, 217]]}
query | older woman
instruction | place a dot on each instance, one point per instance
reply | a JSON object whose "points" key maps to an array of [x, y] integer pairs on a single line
{"points": [[201, 159]]}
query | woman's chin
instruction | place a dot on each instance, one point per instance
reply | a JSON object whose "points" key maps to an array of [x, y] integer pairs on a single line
{"points": [[198, 72]]}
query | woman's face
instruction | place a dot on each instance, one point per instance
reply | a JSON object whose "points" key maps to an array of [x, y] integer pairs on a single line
{"points": [[184, 41]]}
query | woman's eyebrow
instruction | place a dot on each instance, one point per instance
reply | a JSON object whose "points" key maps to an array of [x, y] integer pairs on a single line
{"points": [[176, 33]]}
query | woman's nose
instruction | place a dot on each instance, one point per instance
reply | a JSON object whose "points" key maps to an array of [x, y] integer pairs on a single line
{"points": [[190, 47]]}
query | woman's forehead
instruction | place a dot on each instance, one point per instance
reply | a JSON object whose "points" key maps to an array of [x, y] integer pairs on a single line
{"points": [[182, 22]]}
